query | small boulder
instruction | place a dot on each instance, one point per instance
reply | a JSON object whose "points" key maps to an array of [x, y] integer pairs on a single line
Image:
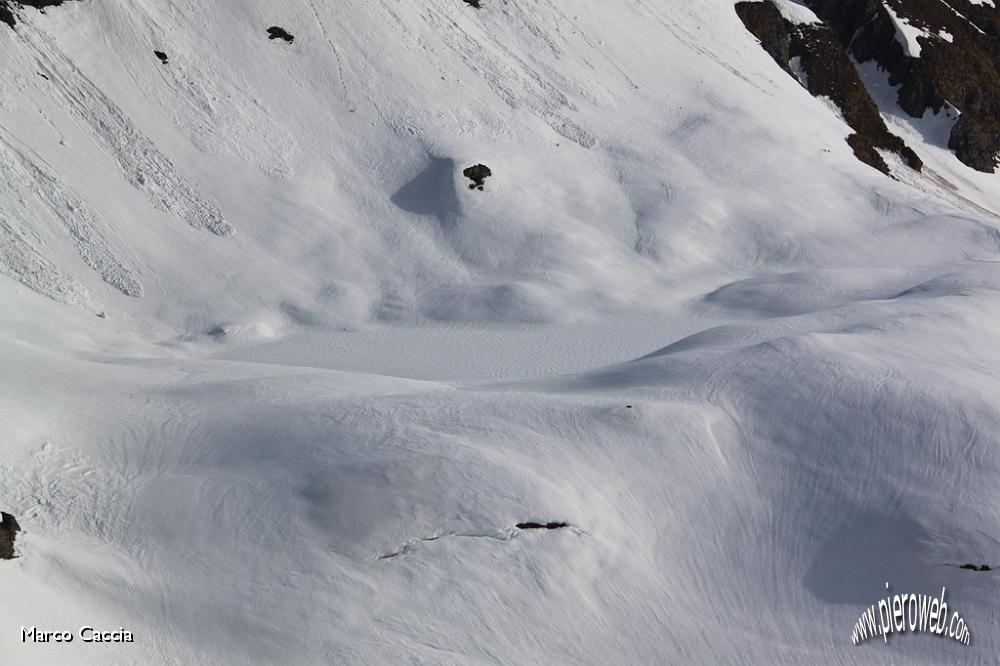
{"points": [[478, 175], [162, 56], [276, 32]]}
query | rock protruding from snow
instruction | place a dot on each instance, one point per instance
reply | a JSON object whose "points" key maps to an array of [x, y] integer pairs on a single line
{"points": [[553, 525], [824, 69], [973, 567], [975, 142], [6, 14], [937, 54], [277, 32], [7, 10], [8, 534], [478, 175]]}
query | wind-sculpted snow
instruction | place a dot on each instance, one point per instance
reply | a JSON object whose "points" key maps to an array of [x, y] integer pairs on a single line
{"points": [[211, 104], [22, 262], [516, 82], [684, 382], [142, 164], [28, 178]]}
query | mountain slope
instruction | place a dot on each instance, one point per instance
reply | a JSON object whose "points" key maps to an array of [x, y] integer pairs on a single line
{"points": [[279, 386]]}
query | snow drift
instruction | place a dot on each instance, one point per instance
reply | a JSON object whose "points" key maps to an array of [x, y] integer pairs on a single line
{"points": [[278, 387]]}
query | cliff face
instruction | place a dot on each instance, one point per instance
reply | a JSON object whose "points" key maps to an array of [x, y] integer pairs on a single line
{"points": [[936, 54], [958, 62], [826, 71]]}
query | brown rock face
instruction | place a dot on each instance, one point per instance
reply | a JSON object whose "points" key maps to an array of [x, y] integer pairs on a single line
{"points": [[976, 143], [767, 24], [830, 73], [959, 62]]}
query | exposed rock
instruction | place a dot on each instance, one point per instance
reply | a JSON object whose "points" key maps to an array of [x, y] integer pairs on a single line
{"points": [[6, 15], [829, 73], [973, 567], [162, 56], [959, 62], [276, 32], [976, 143], [765, 22], [478, 175], [541, 526], [8, 533], [7, 8], [474, 3]]}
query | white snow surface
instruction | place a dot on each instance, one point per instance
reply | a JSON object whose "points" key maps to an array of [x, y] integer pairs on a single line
{"points": [[796, 12], [906, 33], [757, 377]]}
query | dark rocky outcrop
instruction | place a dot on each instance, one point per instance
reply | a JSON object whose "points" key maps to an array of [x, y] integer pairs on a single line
{"points": [[7, 8], [542, 526], [829, 72], [959, 62], [478, 175], [973, 567], [474, 3], [975, 142], [8, 533], [162, 56], [765, 22], [276, 32]]}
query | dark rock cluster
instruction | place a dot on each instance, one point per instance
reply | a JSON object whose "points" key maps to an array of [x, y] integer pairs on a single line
{"points": [[478, 175], [958, 63], [276, 32], [7, 8], [8, 533], [830, 73], [541, 526], [973, 567]]}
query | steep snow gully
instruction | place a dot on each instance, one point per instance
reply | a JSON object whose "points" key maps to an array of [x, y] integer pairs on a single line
{"points": [[497, 332]]}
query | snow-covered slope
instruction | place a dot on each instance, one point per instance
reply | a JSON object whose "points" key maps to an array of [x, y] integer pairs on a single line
{"points": [[277, 386]]}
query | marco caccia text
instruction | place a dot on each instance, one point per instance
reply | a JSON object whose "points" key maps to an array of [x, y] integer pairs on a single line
{"points": [[86, 634]]}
